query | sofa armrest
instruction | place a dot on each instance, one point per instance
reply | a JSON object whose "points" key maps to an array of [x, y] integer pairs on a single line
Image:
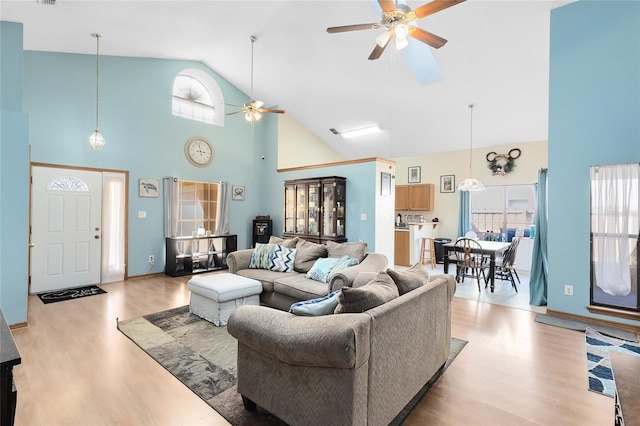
{"points": [[451, 283], [333, 341], [240, 259], [374, 262]]}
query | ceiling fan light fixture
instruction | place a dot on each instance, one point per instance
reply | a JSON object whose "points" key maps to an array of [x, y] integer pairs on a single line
{"points": [[402, 31], [401, 43], [383, 38]]}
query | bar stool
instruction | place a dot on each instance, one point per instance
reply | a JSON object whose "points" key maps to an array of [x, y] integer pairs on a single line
{"points": [[427, 254]]}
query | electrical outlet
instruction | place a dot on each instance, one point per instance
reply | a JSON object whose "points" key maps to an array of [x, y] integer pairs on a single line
{"points": [[152, 259], [568, 290]]}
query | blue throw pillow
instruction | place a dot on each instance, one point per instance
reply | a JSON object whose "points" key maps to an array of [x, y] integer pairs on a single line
{"points": [[322, 268], [344, 262], [261, 257], [282, 259], [315, 307]]}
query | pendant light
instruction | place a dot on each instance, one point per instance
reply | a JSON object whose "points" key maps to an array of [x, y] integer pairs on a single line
{"points": [[470, 184], [96, 140]]}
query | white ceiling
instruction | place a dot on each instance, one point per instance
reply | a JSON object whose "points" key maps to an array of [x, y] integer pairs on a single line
{"points": [[497, 57]]}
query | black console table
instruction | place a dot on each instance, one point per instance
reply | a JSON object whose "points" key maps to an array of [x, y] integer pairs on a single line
{"points": [[9, 356]]}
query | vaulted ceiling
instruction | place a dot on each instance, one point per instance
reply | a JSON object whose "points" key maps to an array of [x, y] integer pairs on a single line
{"points": [[497, 57]]}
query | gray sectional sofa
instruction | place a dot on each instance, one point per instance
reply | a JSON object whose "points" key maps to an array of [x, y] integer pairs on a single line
{"points": [[282, 289], [344, 369]]}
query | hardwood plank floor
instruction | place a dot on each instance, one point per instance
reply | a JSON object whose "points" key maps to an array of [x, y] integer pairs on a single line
{"points": [[78, 369]]}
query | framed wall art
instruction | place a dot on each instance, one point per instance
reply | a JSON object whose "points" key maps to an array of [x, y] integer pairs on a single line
{"points": [[414, 174], [237, 193], [448, 183], [148, 188]]}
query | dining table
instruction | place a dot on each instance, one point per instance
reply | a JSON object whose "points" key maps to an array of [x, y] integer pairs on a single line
{"points": [[492, 249]]}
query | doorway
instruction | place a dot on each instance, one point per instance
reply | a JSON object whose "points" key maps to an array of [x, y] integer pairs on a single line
{"points": [[76, 216]]}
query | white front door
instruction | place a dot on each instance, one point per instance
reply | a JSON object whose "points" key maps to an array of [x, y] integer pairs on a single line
{"points": [[66, 228]]}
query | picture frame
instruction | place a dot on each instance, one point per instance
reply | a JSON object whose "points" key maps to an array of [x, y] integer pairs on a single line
{"points": [[448, 183], [148, 188], [237, 193], [385, 184], [414, 174]]}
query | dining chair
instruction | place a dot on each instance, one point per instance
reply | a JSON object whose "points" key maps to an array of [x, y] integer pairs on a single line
{"points": [[471, 234], [469, 260], [505, 269]]}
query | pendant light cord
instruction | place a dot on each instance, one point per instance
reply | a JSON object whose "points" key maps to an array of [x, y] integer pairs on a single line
{"points": [[253, 40], [470, 139], [97, 36]]}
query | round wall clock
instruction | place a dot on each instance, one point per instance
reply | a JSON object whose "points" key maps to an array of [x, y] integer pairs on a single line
{"points": [[199, 151]]}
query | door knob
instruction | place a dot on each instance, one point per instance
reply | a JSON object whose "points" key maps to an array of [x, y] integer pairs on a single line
{"points": [[97, 237], [97, 228]]}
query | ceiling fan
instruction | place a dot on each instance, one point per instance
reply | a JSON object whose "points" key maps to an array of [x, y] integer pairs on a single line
{"points": [[253, 109], [398, 19]]}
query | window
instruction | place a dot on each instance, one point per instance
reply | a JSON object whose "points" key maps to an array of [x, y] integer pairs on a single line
{"points": [[615, 195], [197, 207], [505, 209], [197, 96]]}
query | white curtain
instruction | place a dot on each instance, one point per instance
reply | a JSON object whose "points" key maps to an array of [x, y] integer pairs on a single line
{"points": [[170, 187], [614, 215], [113, 221], [222, 212]]}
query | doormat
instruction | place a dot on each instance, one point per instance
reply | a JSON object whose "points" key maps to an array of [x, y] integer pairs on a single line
{"points": [[598, 362], [71, 293]]}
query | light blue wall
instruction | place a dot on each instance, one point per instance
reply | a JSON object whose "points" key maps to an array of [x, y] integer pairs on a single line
{"points": [[361, 189], [14, 179], [594, 118], [142, 136]]}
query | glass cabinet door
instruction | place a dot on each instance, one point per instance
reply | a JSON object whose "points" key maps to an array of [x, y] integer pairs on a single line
{"points": [[290, 208], [328, 209], [301, 209], [340, 208], [314, 209]]}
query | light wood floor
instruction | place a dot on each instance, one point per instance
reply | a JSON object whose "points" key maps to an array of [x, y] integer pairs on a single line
{"points": [[78, 369]]}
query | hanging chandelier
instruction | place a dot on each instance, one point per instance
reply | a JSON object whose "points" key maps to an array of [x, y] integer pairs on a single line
{"points": [[470, 183], [96, 140]]}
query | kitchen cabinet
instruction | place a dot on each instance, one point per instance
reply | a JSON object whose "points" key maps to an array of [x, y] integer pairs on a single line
{"points": [[415, 197], [401, 248], [315, 209]]}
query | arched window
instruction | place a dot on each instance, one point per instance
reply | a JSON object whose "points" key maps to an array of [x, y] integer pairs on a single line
{"points": [[197, 96]]}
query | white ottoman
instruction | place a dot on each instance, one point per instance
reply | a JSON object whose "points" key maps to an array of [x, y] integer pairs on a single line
{"points": [[215, 297]]}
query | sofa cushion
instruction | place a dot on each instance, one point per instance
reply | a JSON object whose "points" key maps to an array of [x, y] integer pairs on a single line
{"points": [[265, 276], [273, 257], [299, 287], [306, 255], [412, 278], [316, 307], [353, 250], [288, 243], [375, 293]]}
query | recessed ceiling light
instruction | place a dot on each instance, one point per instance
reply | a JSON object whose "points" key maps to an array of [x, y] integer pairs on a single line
{"points": [[359, 132]]}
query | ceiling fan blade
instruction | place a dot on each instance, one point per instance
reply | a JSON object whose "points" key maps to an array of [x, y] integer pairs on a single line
{"points": [[233, 105], [232, 113], [434, 6], [419, 57], [426, 37], [377, 51], [387, 5], [276, 111], [357, 27]]}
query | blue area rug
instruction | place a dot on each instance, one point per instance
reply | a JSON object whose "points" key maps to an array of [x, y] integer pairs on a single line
{"points": [[598, 362]]}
